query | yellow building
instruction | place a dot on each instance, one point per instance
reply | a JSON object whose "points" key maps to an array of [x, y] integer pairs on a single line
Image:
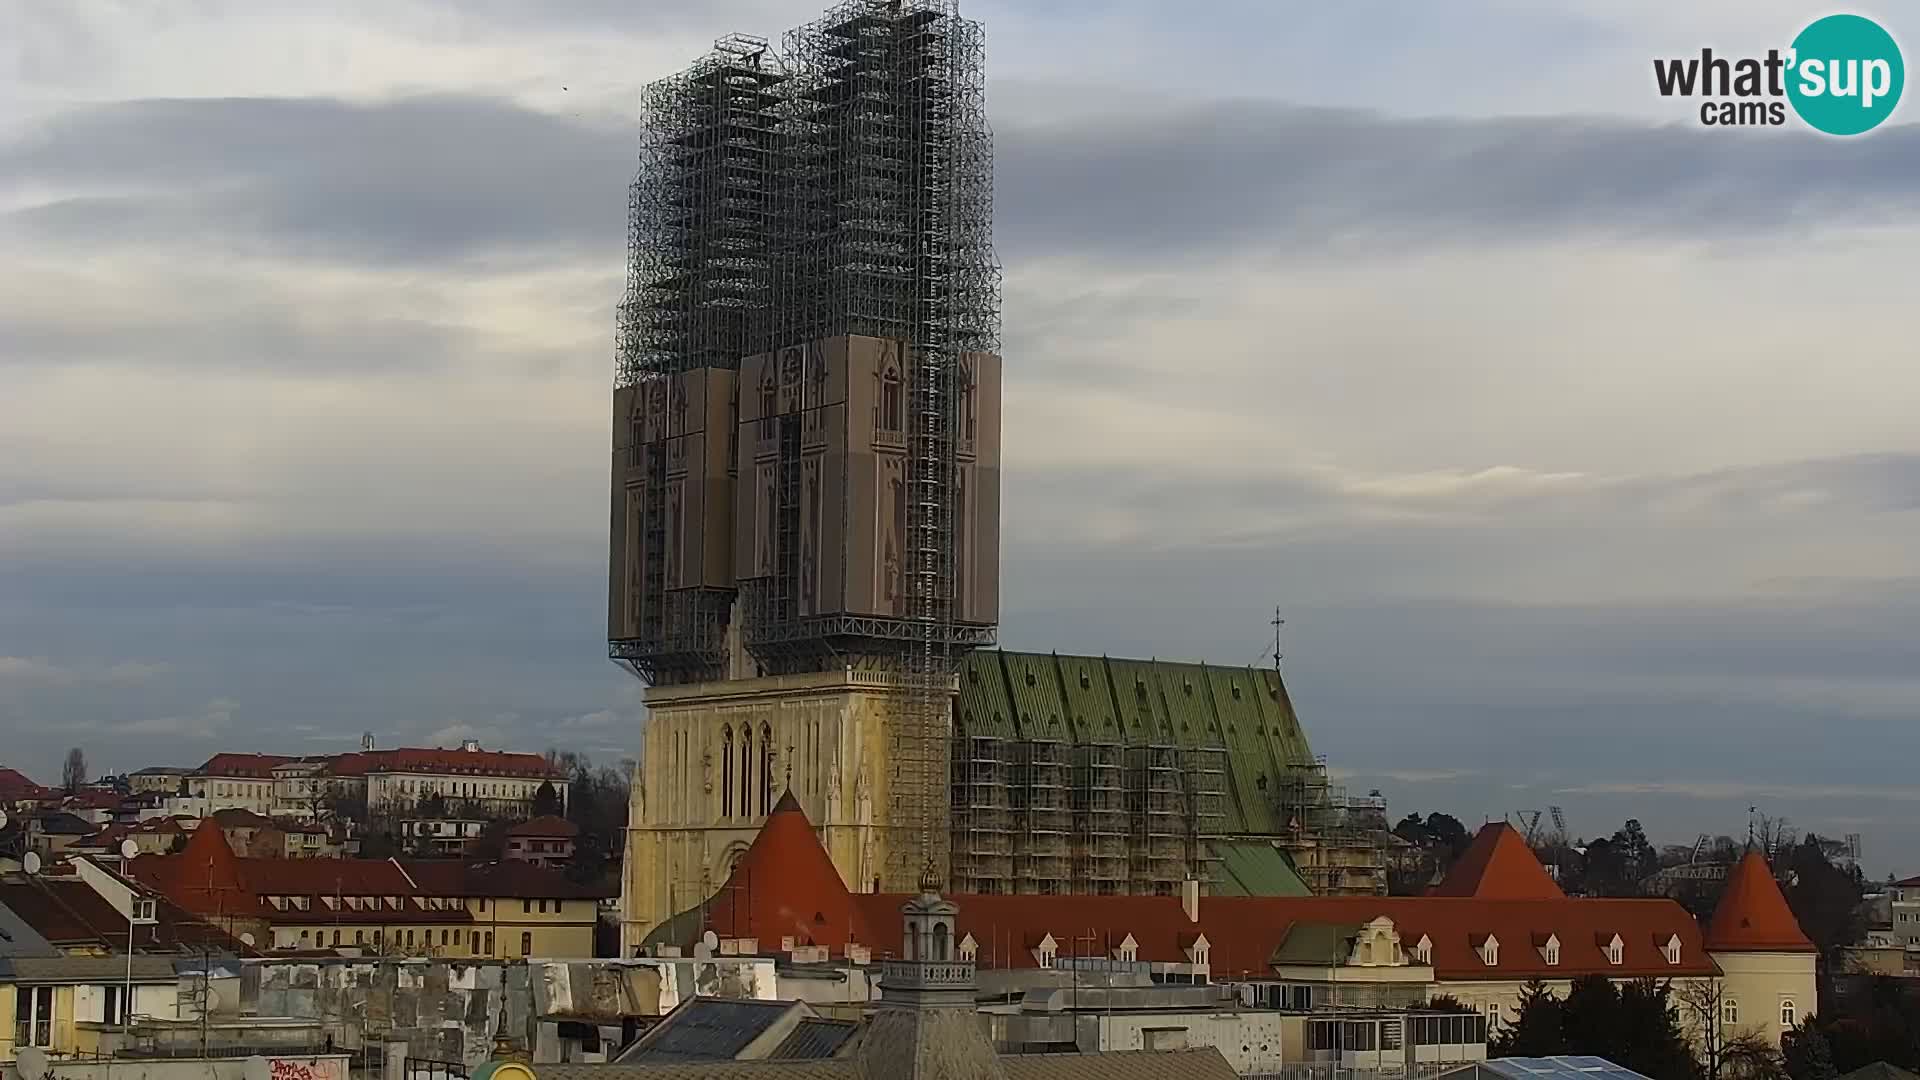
{"points": [[718, 757]]}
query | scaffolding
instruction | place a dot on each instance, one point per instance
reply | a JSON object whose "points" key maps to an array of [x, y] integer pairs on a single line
{"points": [[1334, 838], [1043, 807], [888, 233], [984, 814], [700, 222], [842, 186], [1098, 850]]}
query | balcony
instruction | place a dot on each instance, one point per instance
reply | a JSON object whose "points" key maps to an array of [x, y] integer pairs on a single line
{"points": [[926, 974]]}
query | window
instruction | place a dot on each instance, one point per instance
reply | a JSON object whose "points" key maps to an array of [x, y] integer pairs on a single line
{"points": [[303, 939], [446, 937], [1787, 1013], [1423, 952], [112, 1005], [476, 941], [526, 907], [33, 1016], [1729, 1011], [1673, 949], [726, 771], [766, 769], [1493, 1015], [746, 771], [489, 949], [1551, 953], [336, 937], [526, 943]]}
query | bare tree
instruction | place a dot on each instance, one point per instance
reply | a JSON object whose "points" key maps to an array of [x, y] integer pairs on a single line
{"points": [[74, 776], [1750, 1056], [1700, 1002], [1773, 835]]}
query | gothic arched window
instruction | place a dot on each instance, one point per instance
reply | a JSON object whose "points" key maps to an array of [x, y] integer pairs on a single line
{"points": [[746, 770], [766, 769], [890, 411], [726, 771]]}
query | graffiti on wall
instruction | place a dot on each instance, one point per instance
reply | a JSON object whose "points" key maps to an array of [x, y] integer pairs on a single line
{"points": [[307, 1068]]}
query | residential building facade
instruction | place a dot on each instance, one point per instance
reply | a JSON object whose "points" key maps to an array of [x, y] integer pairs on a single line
{"points": [[389, 907]]}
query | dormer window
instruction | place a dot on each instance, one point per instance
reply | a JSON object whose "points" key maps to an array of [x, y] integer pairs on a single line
{"points": [[1616, 951], [1671, 950], [969, 949], [1127, 951], [1198, 950], [1044, 952], [1489, 950], [1423, 950], [1549, 950]]}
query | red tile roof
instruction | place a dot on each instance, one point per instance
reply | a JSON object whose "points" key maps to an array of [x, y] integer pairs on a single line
{"points": [[785, 885], [208, 878], [15, 787], [432, 760], [69, 913], [545, 825], [1752, 915], [234, 817], [254, 766], [1498, 866]]}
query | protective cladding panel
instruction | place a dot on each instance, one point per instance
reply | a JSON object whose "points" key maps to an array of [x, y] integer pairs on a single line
{"points": [[620, 620], [977, 495], [877, 478]]}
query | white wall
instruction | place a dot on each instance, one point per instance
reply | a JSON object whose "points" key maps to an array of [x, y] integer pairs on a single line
{"points": [[1761, 982], [1250, 1041]]}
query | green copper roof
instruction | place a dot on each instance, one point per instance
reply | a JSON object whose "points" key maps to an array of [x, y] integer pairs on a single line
{"points": [[1094, 699], [1256, 868]]}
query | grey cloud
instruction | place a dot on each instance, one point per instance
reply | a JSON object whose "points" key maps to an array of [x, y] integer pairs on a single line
{"points": [[1284, 180], [415, 180], [460, 177]]}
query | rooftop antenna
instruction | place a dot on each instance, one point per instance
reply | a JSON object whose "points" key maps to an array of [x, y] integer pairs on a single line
{"points": [[1278, 624]]}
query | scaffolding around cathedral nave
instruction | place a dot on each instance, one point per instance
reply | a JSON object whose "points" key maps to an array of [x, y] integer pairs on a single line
{"points": [[1045, 817]]}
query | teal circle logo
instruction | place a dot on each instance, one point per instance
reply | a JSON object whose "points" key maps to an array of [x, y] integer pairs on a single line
{"points": [[1847, 74]]}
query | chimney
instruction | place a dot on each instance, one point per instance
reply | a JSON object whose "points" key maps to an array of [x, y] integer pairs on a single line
{"points": [[1190, 899]]}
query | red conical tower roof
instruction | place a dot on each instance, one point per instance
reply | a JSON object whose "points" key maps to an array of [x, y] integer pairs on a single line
{"points": [[786, 886], [1498, 866], [203, 878], [1752, 915]]}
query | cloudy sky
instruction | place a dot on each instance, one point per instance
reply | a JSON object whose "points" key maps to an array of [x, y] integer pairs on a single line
{"points": [[1576, 441]]}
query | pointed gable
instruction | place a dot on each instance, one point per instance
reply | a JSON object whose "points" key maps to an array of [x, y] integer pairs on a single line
{"points": [[1498, 866], [204, 877], [784, 885], [1752, 915]]}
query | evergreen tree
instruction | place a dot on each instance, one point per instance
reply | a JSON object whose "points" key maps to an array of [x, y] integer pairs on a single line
{"points": [[546, 799], [1536, 1027], [1807, 1053]]}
